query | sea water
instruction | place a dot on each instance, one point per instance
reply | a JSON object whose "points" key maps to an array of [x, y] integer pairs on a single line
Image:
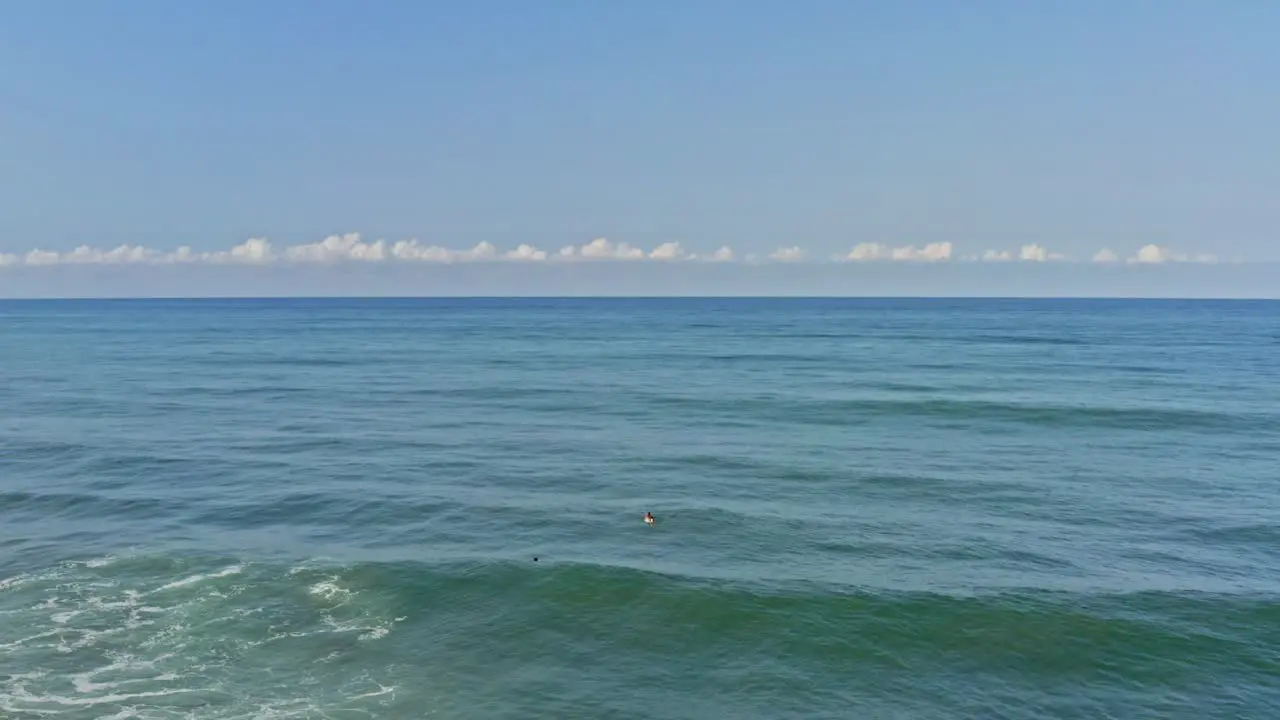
{"points": [[906, 509]]}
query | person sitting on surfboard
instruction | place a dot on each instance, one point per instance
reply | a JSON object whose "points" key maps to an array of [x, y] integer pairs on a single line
{"points": [[648, 518]]}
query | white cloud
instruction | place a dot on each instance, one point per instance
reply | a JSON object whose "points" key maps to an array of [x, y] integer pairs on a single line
{"points": [[251, 251], [183, 254], [40, 257], [122, 254], [1030, 252], [526, 252], [351, 248], [787, 254], [668, 251], [933, 252], [1152, 254], [254, 251], [482, 251], [337, 248], [1038, 253], [724, 254], [412, 251], [604, 249], [1158, 254], [869, 251]]}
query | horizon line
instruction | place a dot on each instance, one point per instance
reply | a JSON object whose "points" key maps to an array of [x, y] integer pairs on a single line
{"points": [[198, 298]]}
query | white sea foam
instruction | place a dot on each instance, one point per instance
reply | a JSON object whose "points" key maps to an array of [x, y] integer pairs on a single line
{"points": [[193, 579], [382, 690], [368, 628], [90, 691], [328, 658], [130, 601], [8, 708], [84, 684], [64, 617], [122, 662], [22, 641], [155, 634], [329, 589], [13, 582], [124, 714], [22, 695]]}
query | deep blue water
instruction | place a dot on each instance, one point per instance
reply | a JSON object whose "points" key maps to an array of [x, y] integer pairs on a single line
{"points": [[906, 509]]}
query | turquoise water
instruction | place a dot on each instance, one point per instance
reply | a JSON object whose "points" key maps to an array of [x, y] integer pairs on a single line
{"points": [[906, 509]]}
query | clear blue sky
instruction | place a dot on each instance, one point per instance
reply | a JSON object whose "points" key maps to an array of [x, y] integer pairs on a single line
{"points": [[823, 124]]}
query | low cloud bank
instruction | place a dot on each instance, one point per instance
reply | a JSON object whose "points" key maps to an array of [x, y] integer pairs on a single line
{"points": [[351, 248]]}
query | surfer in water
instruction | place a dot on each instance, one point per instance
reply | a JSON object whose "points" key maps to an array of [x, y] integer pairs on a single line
{"points": [[648, 518]]}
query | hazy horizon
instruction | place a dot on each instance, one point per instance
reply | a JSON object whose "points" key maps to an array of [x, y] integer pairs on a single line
{"points": [[1252, 282]]}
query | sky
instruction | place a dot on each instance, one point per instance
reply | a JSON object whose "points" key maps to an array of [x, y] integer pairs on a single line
{"points": [[693, 147]]}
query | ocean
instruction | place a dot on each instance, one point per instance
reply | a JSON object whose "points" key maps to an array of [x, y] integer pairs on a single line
{"points": [[431, 508]]}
